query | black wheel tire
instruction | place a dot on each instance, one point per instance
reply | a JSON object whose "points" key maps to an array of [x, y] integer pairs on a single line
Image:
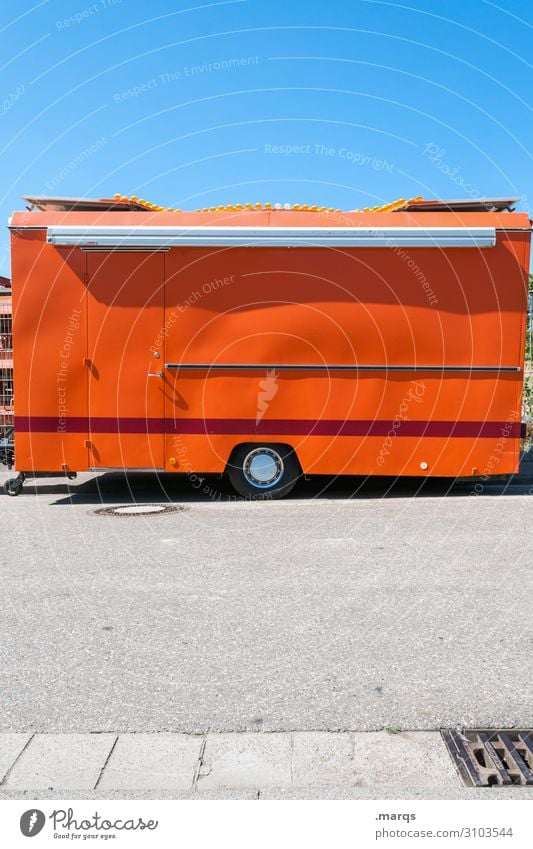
{"points": [[284, 482], [13, 486]]}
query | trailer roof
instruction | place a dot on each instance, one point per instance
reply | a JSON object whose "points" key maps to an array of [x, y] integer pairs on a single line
{"points": [[122, 203], [45, 203], [462, 205]]}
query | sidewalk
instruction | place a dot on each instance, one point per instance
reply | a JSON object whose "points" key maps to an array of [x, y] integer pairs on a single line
{"points": [[239, 765], [239, 761]]}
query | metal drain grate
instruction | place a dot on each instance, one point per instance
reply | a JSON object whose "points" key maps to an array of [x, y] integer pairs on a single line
{"points": [[122, 510], [485, 757]]}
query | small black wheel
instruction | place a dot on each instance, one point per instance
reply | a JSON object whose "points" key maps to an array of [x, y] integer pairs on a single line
{"points": [[263, 471], [13, 486]]}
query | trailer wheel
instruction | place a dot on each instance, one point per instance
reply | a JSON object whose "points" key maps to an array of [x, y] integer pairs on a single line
{"points": [[13, 486], [263, 471]]}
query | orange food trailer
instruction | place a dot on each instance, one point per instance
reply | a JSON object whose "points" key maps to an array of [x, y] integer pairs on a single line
{"points": [[268, 343]]}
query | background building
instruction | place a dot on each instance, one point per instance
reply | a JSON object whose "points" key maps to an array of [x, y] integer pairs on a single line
{"points": [[6, 357]]}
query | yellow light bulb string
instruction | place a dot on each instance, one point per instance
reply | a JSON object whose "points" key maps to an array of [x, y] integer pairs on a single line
{"points": [[395, 206]]}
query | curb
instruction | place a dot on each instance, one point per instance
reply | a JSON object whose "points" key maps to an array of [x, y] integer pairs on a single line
{"points": [[247, 762]]}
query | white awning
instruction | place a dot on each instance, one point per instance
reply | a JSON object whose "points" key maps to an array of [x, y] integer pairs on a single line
{"points": [[290, 237]]}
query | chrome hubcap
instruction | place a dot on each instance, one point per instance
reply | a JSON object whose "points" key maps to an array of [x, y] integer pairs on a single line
{"points": [[263, 467]]}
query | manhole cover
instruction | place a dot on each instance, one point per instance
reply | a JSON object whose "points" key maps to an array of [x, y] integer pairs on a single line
{"points": [[139, 510], [488, 757]]}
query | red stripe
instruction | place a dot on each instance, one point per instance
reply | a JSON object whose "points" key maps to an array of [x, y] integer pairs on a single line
{"points": [[267, 427]]}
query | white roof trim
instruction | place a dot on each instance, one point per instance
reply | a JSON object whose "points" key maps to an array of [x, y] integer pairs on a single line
{"points": [[409, 237]]}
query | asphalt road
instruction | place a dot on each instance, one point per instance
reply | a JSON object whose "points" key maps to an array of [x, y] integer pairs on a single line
{"points": [[360, 607]]}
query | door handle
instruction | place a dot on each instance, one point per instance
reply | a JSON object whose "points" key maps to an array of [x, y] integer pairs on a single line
{"points": [[155, 374]]}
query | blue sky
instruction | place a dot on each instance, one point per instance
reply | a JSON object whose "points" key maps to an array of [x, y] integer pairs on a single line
{"points": [[192, 104]]}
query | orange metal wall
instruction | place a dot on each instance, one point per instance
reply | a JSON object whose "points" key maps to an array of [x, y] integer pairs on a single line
{"points": [[50, 343], [125, 310], [244, 305]]}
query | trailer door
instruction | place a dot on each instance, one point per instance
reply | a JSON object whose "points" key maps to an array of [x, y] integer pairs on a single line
{"points": [[126, 393]]}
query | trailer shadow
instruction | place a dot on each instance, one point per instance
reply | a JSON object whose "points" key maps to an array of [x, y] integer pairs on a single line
{"points": [[113, 488]]}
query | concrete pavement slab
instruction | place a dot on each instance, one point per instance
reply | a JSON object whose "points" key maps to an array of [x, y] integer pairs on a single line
{"points": [[152, 762], [11, 745], [61, 761], [246, 761], [188, 795], [392, 793], [403, 760], [323, 759]]}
